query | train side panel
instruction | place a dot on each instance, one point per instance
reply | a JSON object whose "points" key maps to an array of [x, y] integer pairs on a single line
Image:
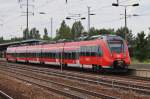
{"points": [[10, 54]]}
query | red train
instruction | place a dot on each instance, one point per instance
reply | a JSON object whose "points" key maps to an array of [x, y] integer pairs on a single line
{"points": [[97, 52]]}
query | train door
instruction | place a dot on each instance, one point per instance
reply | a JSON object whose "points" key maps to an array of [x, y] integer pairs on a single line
{"points": [[99, 55]]}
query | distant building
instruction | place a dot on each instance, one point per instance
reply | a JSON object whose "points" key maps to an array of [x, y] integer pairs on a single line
{"points": [[4, 46]]}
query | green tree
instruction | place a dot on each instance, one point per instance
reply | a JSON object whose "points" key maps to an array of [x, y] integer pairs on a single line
{"points": [[31, 34], [141, 49], [45, 36], [148, 45], [1, 39], [77, 29], [121, 32], [130, 38], [25, 34], [106, 31], [37, 35], [63, 32], [14, 39], [93, 31], [34, 34]]}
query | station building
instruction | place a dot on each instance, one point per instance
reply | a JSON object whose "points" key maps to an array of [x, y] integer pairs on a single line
{"points": [[3, 47]]}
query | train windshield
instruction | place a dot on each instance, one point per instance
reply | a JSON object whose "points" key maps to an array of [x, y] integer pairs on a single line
{"points": [[116, 46]]}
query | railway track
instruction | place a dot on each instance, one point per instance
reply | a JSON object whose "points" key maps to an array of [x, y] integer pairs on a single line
{"points": [[63, 89], [126, 85], [4, 95], [127, 75]]}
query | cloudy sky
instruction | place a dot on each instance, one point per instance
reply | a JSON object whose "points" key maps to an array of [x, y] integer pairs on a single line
{"points": [[13, 21]]}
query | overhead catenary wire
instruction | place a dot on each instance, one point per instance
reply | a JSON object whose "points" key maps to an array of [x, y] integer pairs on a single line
{"points": [[105, 6]]}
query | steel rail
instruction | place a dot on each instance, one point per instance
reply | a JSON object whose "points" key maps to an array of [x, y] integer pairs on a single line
{"points": [[56, 72], [67, 94], [89, 73], [4, 95], [114, 84], [71, 73], [100, 95], [72, 76]]}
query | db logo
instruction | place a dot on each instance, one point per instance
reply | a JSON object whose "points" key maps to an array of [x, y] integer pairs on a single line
{"points": [[87, 59], [118, 56]]}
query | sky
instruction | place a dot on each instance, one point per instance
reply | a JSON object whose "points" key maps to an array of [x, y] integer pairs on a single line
{"points": [[13, 19]]}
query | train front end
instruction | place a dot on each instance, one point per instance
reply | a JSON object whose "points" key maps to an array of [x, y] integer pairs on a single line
{"points": [[119, 52]]}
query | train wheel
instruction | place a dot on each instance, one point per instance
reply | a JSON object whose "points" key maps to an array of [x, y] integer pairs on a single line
{"points": [[99, 69], [82, 68], [65, 65], [96, 68], [42, 63], [27, 62], [16, 61]]}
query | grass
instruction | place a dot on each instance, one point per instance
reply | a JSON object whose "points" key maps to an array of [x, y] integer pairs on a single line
{"points": [[136, 61]]}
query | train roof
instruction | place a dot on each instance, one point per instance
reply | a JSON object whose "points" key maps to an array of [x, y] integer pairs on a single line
{"points": [[4, 46], [83, 38]]}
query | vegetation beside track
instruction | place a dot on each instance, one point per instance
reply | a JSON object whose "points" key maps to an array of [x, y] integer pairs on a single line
{"points": [[136, 61]]}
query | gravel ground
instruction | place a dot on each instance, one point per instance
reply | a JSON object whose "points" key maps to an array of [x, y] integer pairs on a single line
{"points": [[95, 88], [21, 90], [1, 97]]}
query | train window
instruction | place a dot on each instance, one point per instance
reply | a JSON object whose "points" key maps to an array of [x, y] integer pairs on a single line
{"points": [[34, 55], [59, 55], [48, 55], [82, 51], [28, 54], [52, 55], [90, 51], [56, 54], [116, 46], [94, 50], [70, 55], [66, 55], [73, 55], [93, 53], [44, 55]]}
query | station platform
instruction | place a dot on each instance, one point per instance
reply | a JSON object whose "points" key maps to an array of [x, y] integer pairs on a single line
{"points": [[141, 70], [140, 66]]}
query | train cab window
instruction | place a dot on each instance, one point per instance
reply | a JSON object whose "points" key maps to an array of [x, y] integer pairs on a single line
{"points": [[116, 45]]}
